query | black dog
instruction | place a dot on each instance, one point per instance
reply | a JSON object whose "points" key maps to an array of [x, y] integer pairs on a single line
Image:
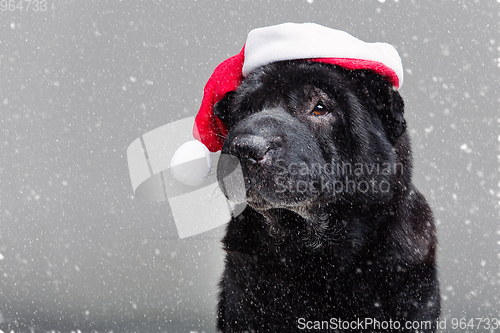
{"points": [[335, 237]]}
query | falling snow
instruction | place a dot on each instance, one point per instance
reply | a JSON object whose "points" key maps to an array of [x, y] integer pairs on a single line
{"points": [[80, 83]]}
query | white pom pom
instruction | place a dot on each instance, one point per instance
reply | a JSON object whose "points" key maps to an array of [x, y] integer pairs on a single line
{"points": [[191, 163]]}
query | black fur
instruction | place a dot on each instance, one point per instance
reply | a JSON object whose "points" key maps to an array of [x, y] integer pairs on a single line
{"points": [[304, 255]]}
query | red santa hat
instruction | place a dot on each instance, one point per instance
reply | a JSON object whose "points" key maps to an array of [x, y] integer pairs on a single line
{"points": [[290, 41]]}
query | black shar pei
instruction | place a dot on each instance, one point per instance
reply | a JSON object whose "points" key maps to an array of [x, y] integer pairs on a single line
{"points": [[335, 236]]}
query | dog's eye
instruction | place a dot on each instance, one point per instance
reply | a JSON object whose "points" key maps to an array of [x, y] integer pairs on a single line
{"points": [[319, 110]]}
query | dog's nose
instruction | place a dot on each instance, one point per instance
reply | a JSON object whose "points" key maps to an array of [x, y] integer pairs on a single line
{"points": [[250, 148]]}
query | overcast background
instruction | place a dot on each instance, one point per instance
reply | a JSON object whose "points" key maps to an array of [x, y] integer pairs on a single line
{"points": [[82, 80]]}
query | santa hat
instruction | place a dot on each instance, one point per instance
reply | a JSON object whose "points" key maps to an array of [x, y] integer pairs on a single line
{"points": [[290, 41]]}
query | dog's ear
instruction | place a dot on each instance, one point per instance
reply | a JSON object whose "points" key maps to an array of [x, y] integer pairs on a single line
{"points": [[222, 109], [385, 101], [392, 114]]}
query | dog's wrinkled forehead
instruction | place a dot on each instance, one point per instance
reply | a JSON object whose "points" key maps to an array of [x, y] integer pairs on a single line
{"points": [[287, 84]]}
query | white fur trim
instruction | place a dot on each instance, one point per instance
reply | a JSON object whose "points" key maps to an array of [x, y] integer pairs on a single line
{"points": [[289, 41]]}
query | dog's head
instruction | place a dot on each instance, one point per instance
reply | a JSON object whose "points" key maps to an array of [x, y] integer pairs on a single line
{"points": [[314, 118], [310, 133]]}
